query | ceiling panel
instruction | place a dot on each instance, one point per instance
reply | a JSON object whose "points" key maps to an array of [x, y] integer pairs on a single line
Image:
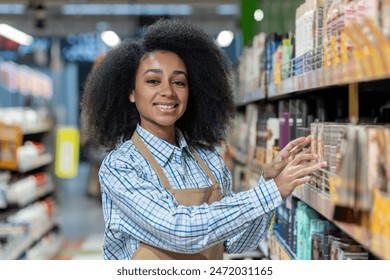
{"points": [[56, 23]]}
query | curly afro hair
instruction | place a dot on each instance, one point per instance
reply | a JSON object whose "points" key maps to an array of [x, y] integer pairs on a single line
{"points": [[109, 116]]}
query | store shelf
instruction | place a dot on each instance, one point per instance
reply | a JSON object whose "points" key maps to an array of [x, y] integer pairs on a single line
{"points": [[38, 162], [31, 196], [242, 158], [37, 128], [279, 249], [321, 202], [341, 74], [20, 246], [250, 97], [237, 155]]}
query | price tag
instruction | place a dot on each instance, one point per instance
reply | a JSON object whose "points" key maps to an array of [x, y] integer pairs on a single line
{"points": [[287, 85], [343, 48], [300, 83], [333, 47], [270, 90], [386, 51], [377, 62], [367, 64]]}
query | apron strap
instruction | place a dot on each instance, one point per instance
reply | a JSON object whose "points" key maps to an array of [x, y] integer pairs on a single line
{"points": [[140, 145], [204, 167]]}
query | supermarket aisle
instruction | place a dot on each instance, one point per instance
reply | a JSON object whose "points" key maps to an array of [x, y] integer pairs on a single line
{"points": [[80, 219]]}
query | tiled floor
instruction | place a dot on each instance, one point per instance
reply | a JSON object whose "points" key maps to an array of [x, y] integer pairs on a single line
{"points": [[80, 219]]}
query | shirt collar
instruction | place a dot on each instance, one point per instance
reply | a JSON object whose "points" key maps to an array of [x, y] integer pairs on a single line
{"points": [[161, 149]]}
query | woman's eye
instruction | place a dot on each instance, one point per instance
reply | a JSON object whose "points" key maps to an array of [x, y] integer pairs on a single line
{"points": [[152, 82], [179, 83]]}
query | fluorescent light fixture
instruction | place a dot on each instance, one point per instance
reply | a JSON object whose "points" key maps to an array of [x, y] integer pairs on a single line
{"points": [[12, 9], [226, 10], [225, 38], [258, 15], [125, 9], [110, 38], [15, 35]]}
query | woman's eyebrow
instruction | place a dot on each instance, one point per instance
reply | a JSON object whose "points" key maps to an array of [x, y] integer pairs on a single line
{"points": [[179, 72], [155, 70]]}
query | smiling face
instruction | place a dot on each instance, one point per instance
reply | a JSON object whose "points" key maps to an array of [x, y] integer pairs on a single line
{"points": [[161, 92]]}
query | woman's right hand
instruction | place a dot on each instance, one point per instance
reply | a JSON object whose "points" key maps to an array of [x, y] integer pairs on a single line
{"points": [[296, 172], [286, 155]]}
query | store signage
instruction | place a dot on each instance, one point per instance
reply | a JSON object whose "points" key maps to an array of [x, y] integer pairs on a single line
{"points": [[67, 152], [82, 47]]}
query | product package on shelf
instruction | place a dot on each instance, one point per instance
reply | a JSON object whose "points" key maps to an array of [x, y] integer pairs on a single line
{"points": [[4, 178], [251, 116], [10, 140], [304, 215], [361, 194], [291, 205], [13, 237], [345, 196], [46, 248], [379, 180], [267, 135], [319, 231], [326, 142], [251, 71], [344, 248], [24, 159], [284, 119], [30, 188]]}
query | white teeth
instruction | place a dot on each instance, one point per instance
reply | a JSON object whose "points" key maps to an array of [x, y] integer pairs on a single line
{"points": [[161, 106]]}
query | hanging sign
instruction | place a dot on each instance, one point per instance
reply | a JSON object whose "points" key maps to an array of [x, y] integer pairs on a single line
{"points": [[67, 152]]}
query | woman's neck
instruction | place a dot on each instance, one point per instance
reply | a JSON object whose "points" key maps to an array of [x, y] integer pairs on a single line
{"points": [[168, 134]]}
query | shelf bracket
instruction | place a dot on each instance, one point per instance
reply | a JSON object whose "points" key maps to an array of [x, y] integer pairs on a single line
{"points": [[353, 96]]}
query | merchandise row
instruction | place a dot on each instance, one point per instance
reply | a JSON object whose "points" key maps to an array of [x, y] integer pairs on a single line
{"points": [[301, 233], [21, 232], [28, 226], [353, 191], [335, 42]]}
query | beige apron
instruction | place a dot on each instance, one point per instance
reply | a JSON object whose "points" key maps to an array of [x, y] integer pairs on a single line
{"points": [[190, 197]]}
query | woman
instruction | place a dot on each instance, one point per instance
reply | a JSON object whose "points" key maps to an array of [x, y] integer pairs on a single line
{"points": [[162, 105]]}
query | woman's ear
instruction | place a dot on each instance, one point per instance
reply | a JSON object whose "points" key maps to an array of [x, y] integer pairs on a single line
{"points": [[131, 96]]}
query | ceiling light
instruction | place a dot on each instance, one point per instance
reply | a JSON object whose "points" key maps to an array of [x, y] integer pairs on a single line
{"points": [[110, 38], [15, 35], [258, 15], [126, 9], [227, 10], [14, 9], [225, 38]]}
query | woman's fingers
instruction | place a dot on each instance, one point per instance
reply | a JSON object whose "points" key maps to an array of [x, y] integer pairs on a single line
{"points": [[308, 168], [286, 151], [301, 181], [297, 149], [303, 157]]}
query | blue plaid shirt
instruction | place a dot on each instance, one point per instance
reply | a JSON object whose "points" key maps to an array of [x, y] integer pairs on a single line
{"points": [[138, 209]]}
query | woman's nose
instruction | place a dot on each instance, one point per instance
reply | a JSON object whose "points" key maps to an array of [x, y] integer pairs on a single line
{"points": [[166, 89]]}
